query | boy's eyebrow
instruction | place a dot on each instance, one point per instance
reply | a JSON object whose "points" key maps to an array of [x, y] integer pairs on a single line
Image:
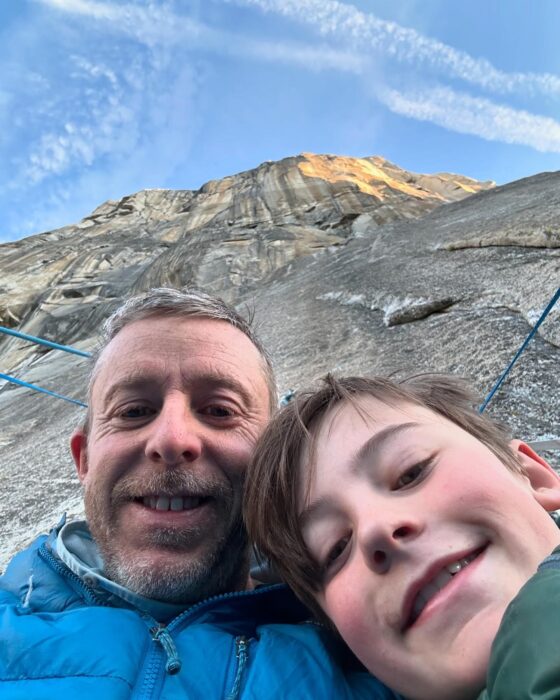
{"points": [[316, 510], [371, 448], [323, 507]]}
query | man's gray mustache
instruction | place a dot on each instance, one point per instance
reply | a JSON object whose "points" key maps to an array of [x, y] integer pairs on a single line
{"points": [[170, 483]]}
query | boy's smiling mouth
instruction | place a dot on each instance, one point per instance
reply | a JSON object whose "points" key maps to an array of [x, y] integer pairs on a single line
{"points": [[437, 577]]}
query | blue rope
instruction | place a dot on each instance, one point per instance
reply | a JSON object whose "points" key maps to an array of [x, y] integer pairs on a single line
{"points": [[42, 341], [20, 382], [287, 397], [518, 353]]}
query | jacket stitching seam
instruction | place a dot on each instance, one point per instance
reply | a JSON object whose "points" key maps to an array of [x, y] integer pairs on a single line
{"points": [[65, 677]]}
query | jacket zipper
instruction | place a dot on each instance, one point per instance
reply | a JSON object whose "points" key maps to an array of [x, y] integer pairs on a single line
{"points": [[162, 636], [63, 571], [242, 654]]}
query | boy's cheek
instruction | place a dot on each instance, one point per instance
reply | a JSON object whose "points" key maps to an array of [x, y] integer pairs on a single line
{"points": [[353, 614]]}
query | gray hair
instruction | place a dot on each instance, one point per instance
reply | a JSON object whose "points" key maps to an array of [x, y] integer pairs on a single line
{"points": [[183, 303]]}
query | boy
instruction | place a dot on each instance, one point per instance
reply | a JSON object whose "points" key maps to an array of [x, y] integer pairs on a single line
{"points": [[409, 521]]}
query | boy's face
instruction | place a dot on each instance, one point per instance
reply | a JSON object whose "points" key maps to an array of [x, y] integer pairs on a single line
{"points": [[424, 537]]}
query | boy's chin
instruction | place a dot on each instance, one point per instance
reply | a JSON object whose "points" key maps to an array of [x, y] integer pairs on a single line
{"points": [[457, 672]]}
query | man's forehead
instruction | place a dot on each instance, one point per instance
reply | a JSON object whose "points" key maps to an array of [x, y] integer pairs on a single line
{"points": [[163, 335], [146, 349], [183, 327]]}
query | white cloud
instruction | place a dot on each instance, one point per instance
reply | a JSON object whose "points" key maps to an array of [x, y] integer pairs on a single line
{"points": [[474, 115], [112, 116], [143, 151], [366, 31], [56, 153], [84, 7], [316, 58], [97, 10], [107, 100], [75, 135], [158, 24], [94, 70], [366, 38], [152, 23]]}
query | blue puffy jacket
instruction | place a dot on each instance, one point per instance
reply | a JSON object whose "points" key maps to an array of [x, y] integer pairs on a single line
{"points": [[58, 640]]}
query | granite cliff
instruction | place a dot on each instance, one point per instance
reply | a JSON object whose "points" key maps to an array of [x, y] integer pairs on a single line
{"points": [[352, 265]]}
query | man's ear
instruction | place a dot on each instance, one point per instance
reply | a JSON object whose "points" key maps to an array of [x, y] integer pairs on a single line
{"points": [[544, 481], [78, 448]]}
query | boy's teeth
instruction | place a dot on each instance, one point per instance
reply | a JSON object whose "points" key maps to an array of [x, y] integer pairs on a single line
{"points": [[176, 503], [437, 583], [456, 566], [429, 591]]}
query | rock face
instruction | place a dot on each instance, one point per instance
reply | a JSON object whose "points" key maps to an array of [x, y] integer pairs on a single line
{"points": [[350, 265]]}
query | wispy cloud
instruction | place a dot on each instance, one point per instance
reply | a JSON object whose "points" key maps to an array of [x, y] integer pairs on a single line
{"points": [[89, 131], [366, 31], [97, 10], [158, 24], [148, 23], [111, 114], [151, 151], [372, 39], [106, 94], [475, 115], [312, 58]]}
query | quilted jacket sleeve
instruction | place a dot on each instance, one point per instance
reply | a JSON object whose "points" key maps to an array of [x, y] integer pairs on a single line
{"points": [[525, 660]]}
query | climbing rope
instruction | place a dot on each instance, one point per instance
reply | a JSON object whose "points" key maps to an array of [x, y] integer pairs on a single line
{"points": [[27, 385], [42, 341], [521, 349], [48, 344]]}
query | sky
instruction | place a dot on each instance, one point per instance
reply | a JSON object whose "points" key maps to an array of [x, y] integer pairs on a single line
{"points": [[102, 98]]}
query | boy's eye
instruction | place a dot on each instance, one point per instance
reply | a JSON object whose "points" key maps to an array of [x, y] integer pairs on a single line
{"points": [[335, 553], [413, 474]]}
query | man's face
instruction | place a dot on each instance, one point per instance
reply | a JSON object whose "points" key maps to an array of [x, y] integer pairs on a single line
{"points": [[424, 537], [176, 408]]}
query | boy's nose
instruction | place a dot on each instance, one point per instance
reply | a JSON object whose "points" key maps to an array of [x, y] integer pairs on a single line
{"points": [[382, 543]]}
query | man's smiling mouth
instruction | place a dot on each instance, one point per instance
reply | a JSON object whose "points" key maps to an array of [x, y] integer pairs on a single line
{"points": [[171, 503], [437, 579]]}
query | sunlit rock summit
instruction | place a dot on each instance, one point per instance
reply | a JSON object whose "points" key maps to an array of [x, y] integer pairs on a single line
{"points": [[349, 264]]}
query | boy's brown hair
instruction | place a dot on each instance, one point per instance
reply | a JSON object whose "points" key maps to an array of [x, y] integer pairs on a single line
{"points": [[273, 483]]}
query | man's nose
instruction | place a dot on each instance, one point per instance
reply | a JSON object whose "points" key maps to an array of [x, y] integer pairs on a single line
{"points": [[384, 540], [176, 435]]}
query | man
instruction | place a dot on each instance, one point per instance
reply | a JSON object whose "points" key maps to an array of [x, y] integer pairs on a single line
{"points": [[150, 598]]}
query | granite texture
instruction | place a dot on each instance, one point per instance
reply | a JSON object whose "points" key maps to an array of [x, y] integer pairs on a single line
{"points": [[348, 265]]}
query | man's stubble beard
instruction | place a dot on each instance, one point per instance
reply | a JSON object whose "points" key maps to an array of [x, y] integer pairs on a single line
{"points": [[185, 578]]}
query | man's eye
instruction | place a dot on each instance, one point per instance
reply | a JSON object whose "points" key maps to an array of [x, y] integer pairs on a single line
{"points": [[218, 411], [413, 474], [136, 412]]}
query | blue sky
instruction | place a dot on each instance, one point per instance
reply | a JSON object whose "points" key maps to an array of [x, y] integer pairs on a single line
{"points": [[99, 99]]}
